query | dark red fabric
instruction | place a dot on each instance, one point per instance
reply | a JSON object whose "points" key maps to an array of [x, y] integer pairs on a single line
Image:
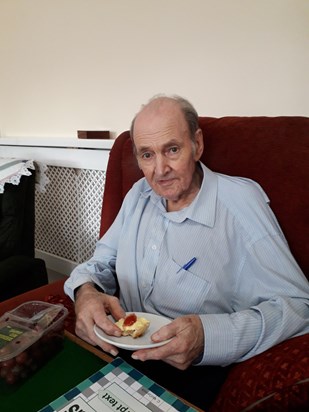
{"points": [[276, 380], [274, 151]]}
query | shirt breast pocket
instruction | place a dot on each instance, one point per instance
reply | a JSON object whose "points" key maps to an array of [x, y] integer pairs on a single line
{"points": [[178, 291]]}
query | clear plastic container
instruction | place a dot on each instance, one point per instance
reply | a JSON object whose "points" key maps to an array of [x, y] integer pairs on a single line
{"points": [[29, 336]]}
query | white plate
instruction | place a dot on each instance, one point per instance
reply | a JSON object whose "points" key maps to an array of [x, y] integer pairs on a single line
{"points": [[143, 342]]}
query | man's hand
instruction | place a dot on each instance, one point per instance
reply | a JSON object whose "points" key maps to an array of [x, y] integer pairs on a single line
{"points": [[92, 307], [186, 345]]}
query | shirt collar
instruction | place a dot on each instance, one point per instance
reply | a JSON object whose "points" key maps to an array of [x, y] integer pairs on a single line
{"points": [[201, 210]]}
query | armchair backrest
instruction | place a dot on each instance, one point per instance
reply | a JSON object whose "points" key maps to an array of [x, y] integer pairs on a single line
{"points": [[274, 151]]}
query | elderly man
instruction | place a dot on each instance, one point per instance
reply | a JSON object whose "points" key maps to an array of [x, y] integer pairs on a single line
{"points": [[201, 248]]}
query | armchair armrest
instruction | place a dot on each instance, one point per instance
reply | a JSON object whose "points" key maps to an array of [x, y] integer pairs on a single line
{"points": [[277, 379]]}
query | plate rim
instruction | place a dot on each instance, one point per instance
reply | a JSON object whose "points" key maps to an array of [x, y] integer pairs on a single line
{"points": [[136, 346]]}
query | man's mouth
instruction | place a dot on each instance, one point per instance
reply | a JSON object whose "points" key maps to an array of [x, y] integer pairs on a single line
{"points": [[165, 182]]}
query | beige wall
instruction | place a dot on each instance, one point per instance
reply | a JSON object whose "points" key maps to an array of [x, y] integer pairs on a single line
{"points": [[89, 64]]}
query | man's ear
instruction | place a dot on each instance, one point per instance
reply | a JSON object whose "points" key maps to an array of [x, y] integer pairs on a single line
{"points": [[199, 144]]}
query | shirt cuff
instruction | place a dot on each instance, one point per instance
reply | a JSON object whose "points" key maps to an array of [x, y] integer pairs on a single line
{"points": [[225, 342]]}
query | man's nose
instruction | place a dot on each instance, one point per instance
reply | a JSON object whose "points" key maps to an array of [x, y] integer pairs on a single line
{"points": [[161, 165]]}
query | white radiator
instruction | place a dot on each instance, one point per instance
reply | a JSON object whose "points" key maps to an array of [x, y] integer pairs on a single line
{"points": [[68, 213]]}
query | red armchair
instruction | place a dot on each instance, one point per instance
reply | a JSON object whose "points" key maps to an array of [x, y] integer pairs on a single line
{"points": [[274, 152]]}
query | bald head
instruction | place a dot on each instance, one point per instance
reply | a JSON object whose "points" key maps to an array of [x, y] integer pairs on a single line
{"points": [[161, 104]]}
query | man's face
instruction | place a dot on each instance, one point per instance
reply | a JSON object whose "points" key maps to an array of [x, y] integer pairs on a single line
{"points": [[167, 155]]}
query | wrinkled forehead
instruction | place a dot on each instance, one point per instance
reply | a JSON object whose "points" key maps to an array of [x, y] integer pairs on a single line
{"points": [[158, 116]]}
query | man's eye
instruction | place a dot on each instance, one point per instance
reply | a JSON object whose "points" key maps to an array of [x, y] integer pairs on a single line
{"points": [[173, 149], [146, 155]]}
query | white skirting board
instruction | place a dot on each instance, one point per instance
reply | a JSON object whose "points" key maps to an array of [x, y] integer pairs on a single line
{"points": [[56, 263]]}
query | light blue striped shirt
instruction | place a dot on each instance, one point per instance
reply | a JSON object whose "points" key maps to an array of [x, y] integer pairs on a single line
{"points": [[245, 284]]}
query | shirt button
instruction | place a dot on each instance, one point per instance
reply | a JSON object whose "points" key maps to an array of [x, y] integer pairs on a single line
{"points": [[153, 247]]}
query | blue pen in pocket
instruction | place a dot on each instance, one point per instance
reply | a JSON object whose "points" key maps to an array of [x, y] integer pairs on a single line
{"points": [[187, 265]]}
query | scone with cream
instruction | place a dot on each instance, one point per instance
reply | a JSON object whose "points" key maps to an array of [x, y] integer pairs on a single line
{"points": [[132, 325]]}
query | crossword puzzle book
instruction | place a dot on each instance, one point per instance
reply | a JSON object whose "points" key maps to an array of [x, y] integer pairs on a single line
{"points": [[117, 387]]}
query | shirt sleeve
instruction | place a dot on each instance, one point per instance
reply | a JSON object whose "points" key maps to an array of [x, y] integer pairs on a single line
{"points": [[271, 304], [101, 268], [98, 270]]}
